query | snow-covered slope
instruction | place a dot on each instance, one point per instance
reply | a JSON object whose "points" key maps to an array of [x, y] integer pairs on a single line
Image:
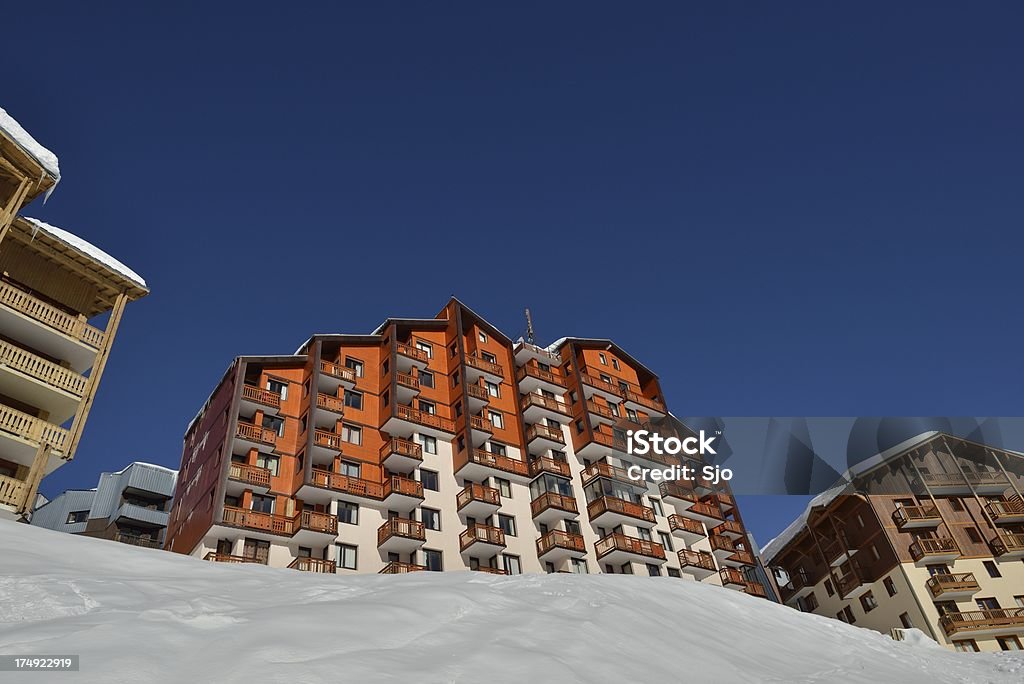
{"points": [[138, 615]]}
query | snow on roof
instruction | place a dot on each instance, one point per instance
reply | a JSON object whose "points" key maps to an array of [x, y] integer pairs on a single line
{"points": [[154, 466], [14, 131], [87, 249]]}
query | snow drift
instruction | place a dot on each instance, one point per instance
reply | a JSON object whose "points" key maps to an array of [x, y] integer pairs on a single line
{"points": [[150, 616]]}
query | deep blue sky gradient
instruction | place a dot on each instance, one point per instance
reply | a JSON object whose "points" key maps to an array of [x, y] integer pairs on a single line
{"points": [[798, 209]]}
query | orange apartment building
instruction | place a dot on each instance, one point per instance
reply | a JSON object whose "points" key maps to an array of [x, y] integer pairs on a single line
{"points": [[929, 534], [441, 444]]}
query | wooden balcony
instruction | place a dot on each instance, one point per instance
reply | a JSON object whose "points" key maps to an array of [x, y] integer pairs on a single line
{"points": [[550, 507], [12, 492], [479, 394], [353, 487], [551, 466], [479, 538], [313, 525], [1006, 512], [304, 564], [536, 407], [557, 544], [741, 558], [489, 570], [731, 529], [48, 315], [255, 434], [619, 548], [854, 583], [401, 455], [402, 493], [399, 568], [610, 472], [609, 512], [800, 584], [600, 414], [336, 374], [543, 437], [732, 578], [916, 517], [679, 493], [257, 521], [261, 397], [939, 550], [689, 530], [635, 399], [594, 384], [953, 586], [984, 622], [968, 483], [491, 370], [330, 403], [408, 355], [700, 564], [46, 371], [34, 430], [408, 385], [143, 541], [250, 476], [838, 550], [1008, 546], [424, 420], [478, 501], [230, 558], [721, 547], [328, 440], [481, 464], [531, 377], [755, 589], [705, 513], [400, 535]]}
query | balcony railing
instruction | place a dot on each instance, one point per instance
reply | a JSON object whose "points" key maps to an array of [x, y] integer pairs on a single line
{"points": [[478, 392], [560, 540], [743, 557], [503, 463], [412, 352], [249, 474], [720, 543], [407, 380], [538, 431], [330, 403], [42, 369], [261, 396], [231, 558], [598, 409], [755, 589], [637, 398], [12, 491], [540, 374], [730, 527], [49, 315], [942, 546], [478, 423], [600, 384], [405, 447], [696, 559], [478, 492], [400, 527], [33, 429], [611, 441], [945, 583], [602, 469], [552, 500], [256, 433], [320, 565], [400, 568], [541, 401], [485, 366], [732, 576], [316, 521], [620, 542], [481, 533], [904, 515], [706, 510], [608, 504], [256, 520], [337, 371], [1001, 510], [958, 480], [1007, 543], [346, 484], [545, 464], [327, 439], [678, 522], [489, 570], [402, 485], [983, 620], [424, 418], [680, 489], [137, 540]]}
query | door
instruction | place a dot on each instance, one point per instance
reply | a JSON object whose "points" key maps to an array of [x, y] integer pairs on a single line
{"points": [[257, 549]]}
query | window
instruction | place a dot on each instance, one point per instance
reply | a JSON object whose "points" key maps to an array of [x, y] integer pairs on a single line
{"points": [[993, 571], [957, 505], [890, 586], [454, 349], [428, 478], [579, 426], [504, 486], [848, 612], [497, 449], [432, 560], [828, 588], [973, 534], [860, 521], [496, 419], [347, 556], [906, 621], [279, 388], [351, 469], [492, 388], [354, 399], [482, 336], [632, 415], [606, 378], [614, 408], [461, 442], [579, 566], [643, 533], [271, 463], [430, 518], [868, 602], [348, 513], [428, 443], [1019, 600], [488, 357], [77, 517], [656, 505], [672, 572], [274, 423], [966, 646], [810, 602], [352, 434], [841, 616], [263, 504], [425, 348], [355, 365], [653, 570], [426, 378], [507, 524], [1008, 643], [666, 540], [512, 566], [427, 407], [604, 359]]}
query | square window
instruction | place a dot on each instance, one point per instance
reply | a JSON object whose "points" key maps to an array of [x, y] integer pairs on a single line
{"points": [[271, 463], [352, 434], [430, 518], [354, 399], [347, 556], [504, 487], [428, 478], [351, 469], [428, 443], [653, 570], [512, 565], [868, 602], [425, 348], [507, 524], [426, 378], [432, 560], [492, 388], [355, 365], [496, 420], [348, 513]]}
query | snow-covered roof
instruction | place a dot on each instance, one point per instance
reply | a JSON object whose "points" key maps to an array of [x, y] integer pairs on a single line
{"points": [[87, 249], [21, 137]]}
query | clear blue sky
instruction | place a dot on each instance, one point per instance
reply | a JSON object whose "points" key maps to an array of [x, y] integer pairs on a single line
{"points": [[786, 210]]}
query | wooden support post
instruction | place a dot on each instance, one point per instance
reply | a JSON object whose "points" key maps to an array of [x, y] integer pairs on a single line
{"points": [[11, 210], [35, 476]]}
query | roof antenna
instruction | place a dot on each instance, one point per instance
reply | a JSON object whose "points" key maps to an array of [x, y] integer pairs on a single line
{"points": [[529, 327]]}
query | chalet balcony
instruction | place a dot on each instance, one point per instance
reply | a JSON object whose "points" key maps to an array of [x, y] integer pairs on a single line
{"points": [[399, 568], [742, 558], [699, 564], [1008, 546], [705, 513], [612, 473], [638, 402], [400, 535], [476, 368], [537, 408], [488, 570], [482, 540], [690, 531], [21, 434], [150, 516], [608, 391], [755, 589], [550, 466], [619, 548], [550, 507], [325, 485], [215, 557], [482, 464], [318, 565], [480, 430], [531, 378], [326, 446], [478, 397], [732, 578], [602, 444], [992, 622], [953, 586], [984, 483], [478, 501], [540, 438], [242, 476], [401, 455], [402, 493], [853, 584], [608, 511], [145, 541], [600, 414], [916, 517], [315, 528], [838, 551], [556, 546], [679, 493], [249, 436], [721, 547], [39, 382], [931, 551], [525, 352], [1006, 512], [800, 584], [407, 387], [731, 529], [723, 500], [329, 409], [334, 375], [262, 525], [258, 399], [408, 356], [406, 420]]}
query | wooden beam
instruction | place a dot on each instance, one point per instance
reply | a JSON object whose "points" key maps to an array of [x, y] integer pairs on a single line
{"points": [[35, 476]]}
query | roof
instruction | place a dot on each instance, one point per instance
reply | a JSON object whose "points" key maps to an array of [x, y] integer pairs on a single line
{"points": [[44, 157], [594, 341], [88, 250]]}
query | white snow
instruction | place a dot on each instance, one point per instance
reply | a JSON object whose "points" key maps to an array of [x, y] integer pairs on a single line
{"points": [[88, 250], [14, 131], [141, 615]]}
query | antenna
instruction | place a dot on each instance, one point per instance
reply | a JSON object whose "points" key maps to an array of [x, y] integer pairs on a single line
{"points": [[529, 327]]}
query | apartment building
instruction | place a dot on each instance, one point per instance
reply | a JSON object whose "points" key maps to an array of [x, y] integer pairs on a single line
{"points": [[929, 534], [53, 288], [441, 444], [130, 506]]}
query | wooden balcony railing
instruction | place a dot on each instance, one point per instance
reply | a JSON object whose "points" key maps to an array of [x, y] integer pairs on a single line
{"points": [[256, 520], [489, 570], [305, 564], [502, 463], [645, 402], [706, 510], [849, 582], [348, 485], [407, 380], [553, 500], [678, 522], [730, 527], [481, 533], [316, 521], [720, 543], [424, 418], [538, 431], [33, 429], [478, 492], [400, 527], [261, 396], [327, 439], [330, 403], [743, 557], [620, 542], [680, 489], [957, 480], [610, 440], [541, 401], [249, 474], [400, 568], [137, 540], [942, 583], [412, 352], [1006, 543], [908, 514], [42, 369], [73, 326], [230, 558], [982, 620], [485, 366], [696, 559], [1000, 510], [405, 447], [600, 410], [549, 376], [755, 589], [608, 504], [602, 469], [337, 371], [12, 491], [478, 423], [560, 540], [478, 392], [941, 546], [402, 485], [540, 351], [256, 433], [546, 464], [732, 576], [600, 384]]}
